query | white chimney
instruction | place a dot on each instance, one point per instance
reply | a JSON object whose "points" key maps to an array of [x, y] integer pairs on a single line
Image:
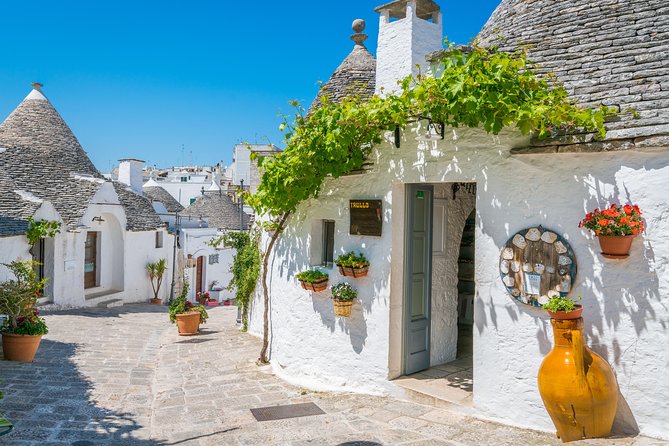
{"points": [[130, 173], [408, 31]]}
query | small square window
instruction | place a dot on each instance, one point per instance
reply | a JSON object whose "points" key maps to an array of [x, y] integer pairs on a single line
{"points": [[213, 258], [159, 239]]}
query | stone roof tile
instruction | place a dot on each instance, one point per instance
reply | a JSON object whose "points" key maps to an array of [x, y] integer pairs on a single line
{"points": [[157, 193], [219, 208]]}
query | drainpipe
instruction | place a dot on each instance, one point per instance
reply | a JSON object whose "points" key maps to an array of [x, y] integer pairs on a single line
{"points": [[174, 256]]}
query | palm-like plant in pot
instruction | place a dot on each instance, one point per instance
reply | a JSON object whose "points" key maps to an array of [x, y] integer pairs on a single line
{"points": [[156, 271], [342, 298], [185, 314], [23, 328]]}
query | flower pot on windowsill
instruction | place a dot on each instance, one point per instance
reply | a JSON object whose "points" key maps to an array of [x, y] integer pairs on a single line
{"points": [[353, 271], [567, 315], [616, 246], [20, 348], [188, 324], [317, 285]]}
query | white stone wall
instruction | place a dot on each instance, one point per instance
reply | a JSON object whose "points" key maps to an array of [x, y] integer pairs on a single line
{"points": [[140, 250], [195, 243], [625, 301]]}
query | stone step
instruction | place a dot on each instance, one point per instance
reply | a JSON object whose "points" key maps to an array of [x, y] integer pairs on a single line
{"points": [[110, 303]]}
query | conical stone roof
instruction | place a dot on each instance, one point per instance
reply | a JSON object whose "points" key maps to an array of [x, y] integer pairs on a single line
{"points": [[356, 75], [611, 52], [42, 160], [219, 208]]}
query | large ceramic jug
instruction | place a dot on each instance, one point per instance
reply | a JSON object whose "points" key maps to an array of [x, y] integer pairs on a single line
{"points": [[577, 386]]}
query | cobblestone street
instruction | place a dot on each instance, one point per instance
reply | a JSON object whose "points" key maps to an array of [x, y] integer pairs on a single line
{"points": [[123, 376]]}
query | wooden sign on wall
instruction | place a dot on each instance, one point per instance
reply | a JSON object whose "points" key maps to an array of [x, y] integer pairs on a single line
{"points": [[366, 217]]}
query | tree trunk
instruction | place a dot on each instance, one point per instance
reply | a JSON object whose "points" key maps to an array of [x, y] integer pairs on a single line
{"points": [[265, 316]]}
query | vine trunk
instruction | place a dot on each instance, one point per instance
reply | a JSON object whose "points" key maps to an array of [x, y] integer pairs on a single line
{"points": [[265, 289]]}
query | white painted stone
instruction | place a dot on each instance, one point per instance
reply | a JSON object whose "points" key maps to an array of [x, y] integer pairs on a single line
{"points": [[624, 301]]}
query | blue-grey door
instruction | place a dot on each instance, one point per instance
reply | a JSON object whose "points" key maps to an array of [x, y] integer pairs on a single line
{"points": [[417, 278]]}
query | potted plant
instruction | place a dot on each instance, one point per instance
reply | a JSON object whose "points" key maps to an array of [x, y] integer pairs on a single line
{"points": [[23, 328], [313, 280], [342, 298], [188, 316], [563, 308], [204, 298], [352, 265], [156, 272], [615, 228]]}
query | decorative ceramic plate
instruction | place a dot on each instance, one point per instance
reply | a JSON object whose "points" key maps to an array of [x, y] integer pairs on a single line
{"points": [[536, 264]]}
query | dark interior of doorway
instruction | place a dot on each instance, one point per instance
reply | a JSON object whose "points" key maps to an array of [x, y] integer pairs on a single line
{"points": [[466, 288]]}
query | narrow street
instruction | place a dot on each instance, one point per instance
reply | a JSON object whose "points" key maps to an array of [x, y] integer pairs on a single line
{"points": [[123, 376]]}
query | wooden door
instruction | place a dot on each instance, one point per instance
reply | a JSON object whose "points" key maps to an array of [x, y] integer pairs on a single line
{"points": [[198, 275], [91, 260], [417, 278]]}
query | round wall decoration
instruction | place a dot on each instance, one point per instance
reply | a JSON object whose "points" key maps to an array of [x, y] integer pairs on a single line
{"points": [[537, 264]]}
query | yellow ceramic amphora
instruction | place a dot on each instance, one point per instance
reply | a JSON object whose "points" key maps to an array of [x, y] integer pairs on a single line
{"points": [[578, 387]]}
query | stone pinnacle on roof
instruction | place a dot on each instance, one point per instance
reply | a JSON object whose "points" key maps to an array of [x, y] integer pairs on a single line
{"points": [[359, 26], [355, 76]]}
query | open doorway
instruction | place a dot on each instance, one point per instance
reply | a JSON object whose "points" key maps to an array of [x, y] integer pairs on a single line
{"points": [[439, 290]]}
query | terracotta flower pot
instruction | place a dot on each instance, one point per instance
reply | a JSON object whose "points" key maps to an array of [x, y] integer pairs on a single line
{"points": [[342, 307], [21, 348], [212, 303], [155, 301], [319, 285], [353, 272], [188, 323], [567, 315], [616, 246]]}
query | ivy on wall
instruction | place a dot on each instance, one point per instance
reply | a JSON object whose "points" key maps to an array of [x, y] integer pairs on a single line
{"points": [[481, 88]]}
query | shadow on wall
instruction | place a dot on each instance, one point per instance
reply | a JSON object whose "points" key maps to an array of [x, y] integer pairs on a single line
{"points": [[50, 400], [292, 250]]}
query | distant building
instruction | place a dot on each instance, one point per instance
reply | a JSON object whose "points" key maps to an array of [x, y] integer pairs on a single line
{"points": [[241, 160], [109, 231]]}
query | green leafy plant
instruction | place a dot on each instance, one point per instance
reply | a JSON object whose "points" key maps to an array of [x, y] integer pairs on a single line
{"points": [[350, 260], [41, 229], [156, 271], [181, 305], [17, 297], [245, 267], [482, 88], [311, 276], [343, 291], [560, 303]]}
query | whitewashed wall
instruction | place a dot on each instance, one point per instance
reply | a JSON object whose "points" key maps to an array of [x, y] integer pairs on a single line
{"points": [[626, 311], [12, 248], [195, 244]]}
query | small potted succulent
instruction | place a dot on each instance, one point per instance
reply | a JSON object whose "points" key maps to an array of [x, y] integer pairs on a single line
{"points": [[188, 316], [313, 280], [563, 308], [615, 228], [352, 265], [342, 298], [23, 328]]}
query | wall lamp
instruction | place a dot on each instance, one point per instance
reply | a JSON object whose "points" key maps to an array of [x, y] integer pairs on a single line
{"points": [[99, 219]]}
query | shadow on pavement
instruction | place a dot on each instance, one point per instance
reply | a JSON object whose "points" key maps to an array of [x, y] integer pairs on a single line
{"points": [[49, 401]]}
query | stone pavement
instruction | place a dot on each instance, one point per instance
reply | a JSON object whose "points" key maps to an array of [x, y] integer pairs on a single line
{"points": [[123, 376]]}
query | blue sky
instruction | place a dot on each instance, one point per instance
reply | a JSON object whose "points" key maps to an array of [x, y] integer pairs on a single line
{"points": [[144, 78]]}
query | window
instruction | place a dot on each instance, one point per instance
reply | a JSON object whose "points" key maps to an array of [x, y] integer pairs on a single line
{"points": [[193, 200], [328, 242], [159, 239], [184, 179], [213, 258]]}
